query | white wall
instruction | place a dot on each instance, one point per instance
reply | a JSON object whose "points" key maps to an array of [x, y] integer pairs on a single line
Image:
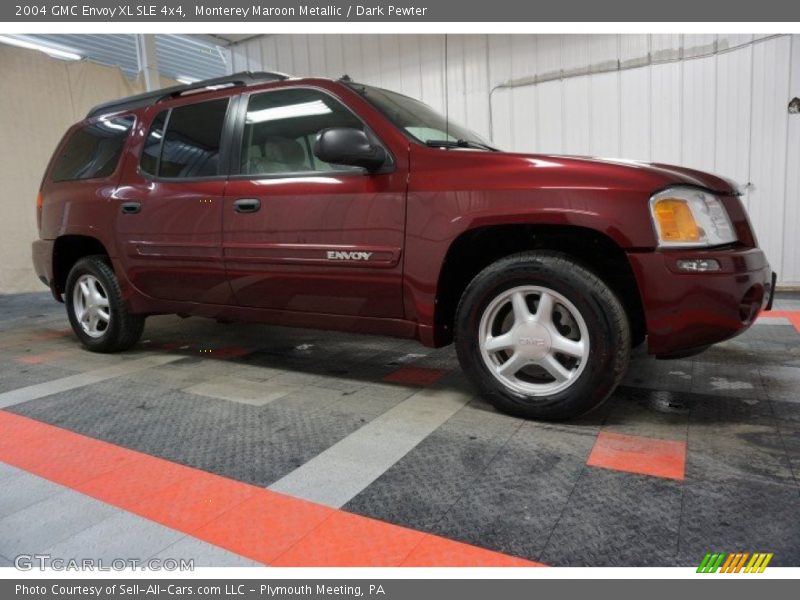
{"points": [[711, 102], [46, 97]]}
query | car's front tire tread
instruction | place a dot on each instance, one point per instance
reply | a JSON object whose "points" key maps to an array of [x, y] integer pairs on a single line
{"points": [[608, 326]]}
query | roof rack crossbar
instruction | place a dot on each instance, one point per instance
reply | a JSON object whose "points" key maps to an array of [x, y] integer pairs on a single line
{"points": [[150, 98]]}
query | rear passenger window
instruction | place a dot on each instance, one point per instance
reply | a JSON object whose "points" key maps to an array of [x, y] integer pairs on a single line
{"points": [[189, 146], [93, 151]]}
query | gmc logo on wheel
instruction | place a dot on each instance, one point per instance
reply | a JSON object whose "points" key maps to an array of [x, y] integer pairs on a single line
{"points": [[347, 255], [529, 341]]}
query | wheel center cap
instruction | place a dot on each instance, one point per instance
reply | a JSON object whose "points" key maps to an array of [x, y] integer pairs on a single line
{"points": [[532, 340]]}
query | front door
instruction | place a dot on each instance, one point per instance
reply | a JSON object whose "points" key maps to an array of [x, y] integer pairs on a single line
{"points": [[303, 235], [169, 215]]}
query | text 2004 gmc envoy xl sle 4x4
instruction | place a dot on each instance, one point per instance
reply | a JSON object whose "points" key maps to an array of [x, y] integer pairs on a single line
{"points": [[335, 205]]}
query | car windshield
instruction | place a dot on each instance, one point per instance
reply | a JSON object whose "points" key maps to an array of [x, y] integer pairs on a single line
{"points": [[419, 120]]}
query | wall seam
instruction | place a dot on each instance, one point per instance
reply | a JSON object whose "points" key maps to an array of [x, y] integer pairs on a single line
{"points": [[786, 152]]}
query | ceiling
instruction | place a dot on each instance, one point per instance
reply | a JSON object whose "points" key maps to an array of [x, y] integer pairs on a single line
{"points": [[179, 56], [226, 39]]}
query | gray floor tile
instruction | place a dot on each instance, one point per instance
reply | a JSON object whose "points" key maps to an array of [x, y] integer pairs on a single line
{"points": [[419, 489], [791, 440], [342, 471], [48, 522], [786, 301], [617, 519], [122, 535], [782, 383], [516, 475], [7, 470], [253, 444], [236, 389], [742, 451], [740, 516], [22, 490], [726, 380], [14, 376], [786, 413], [647, 372], [649, 413]]}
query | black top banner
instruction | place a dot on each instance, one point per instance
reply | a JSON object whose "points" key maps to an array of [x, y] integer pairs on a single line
{"points": [[409, 11]]}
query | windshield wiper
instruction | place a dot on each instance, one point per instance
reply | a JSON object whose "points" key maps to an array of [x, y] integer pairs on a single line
{"points": [[459, 144]]}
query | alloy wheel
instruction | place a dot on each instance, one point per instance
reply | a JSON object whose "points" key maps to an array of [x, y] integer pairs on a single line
{"points": [[91, 306], [533, 340]]}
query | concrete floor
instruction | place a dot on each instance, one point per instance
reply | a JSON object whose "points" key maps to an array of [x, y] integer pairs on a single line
{"points": [[687, 457]]}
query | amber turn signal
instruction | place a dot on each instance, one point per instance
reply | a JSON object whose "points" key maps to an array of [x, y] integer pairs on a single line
{"points": [[39, 203], [675, 221]]}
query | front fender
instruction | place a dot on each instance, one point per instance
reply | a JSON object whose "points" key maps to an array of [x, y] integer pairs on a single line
{"points": [[436, 219]]}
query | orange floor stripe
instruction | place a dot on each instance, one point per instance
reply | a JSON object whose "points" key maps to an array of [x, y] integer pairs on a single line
{"points": [[642, 455], [251, 521], [33, 337], [264, 526], [194, 501], [348, 540], [38, 359], [792, 315], [140, 479], [64, 457]]}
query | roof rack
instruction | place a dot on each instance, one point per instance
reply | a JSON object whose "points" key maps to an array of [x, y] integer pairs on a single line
{"points": [[150, 98]]}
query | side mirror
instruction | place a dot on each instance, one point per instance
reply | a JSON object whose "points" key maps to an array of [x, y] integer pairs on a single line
{"points": [[349, 146]]}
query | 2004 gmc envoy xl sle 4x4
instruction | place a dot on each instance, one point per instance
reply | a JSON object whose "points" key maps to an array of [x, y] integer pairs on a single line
{"points": [[334, 205]]}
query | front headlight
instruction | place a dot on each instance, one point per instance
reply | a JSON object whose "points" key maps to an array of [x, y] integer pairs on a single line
{"points": [[688, 217]]}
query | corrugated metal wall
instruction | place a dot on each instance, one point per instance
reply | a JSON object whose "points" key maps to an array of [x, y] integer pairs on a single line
{"points": [[717, 103], [178, 55]]}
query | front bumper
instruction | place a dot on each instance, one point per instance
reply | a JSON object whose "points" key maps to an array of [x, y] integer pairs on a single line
{"points": [[687, 312]]}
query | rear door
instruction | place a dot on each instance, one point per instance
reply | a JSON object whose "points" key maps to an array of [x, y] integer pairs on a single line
{"points": [[169, 215], [303, 235]]}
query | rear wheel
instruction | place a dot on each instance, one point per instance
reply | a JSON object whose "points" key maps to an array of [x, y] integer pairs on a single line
{"points": [[542, 336], [96, 310]]}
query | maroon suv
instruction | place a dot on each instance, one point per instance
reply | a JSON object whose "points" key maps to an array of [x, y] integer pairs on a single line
{"points": [[336, 205]]}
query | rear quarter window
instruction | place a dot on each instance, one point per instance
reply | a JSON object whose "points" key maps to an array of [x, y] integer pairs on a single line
{"points": [[93, 151], [190, 145]]}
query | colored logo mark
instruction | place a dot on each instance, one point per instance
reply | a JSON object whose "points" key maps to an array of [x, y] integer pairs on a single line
{"points": [[743, 562]]}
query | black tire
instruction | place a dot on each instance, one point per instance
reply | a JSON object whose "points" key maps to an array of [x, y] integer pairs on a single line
{"points": [[124, 329], [605, 318]]}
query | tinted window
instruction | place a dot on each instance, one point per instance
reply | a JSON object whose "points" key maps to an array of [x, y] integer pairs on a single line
{"points": [[93, 151], [414, 117], [281, 128], [152, 145], [190, 146]]}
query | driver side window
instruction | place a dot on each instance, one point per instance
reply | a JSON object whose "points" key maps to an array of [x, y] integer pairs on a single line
{"points": [[281, 128]]}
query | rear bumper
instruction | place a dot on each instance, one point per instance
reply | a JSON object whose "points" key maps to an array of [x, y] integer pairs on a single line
{"points": [[42, 252], [690, 311]]}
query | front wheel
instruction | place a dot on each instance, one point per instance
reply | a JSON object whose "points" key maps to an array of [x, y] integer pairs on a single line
{"points": [[541, 336], [96, 310]]}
